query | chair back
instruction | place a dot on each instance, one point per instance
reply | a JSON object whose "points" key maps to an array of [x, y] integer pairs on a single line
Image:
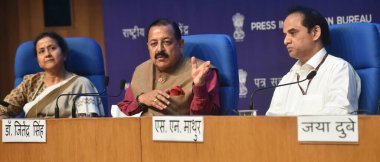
{"points": [[359, 44], [220, 50]]}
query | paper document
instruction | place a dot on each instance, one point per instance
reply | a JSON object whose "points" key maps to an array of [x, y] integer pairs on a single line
{"points": [[116, 113]]}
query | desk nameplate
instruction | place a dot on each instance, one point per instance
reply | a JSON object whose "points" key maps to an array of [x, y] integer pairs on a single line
{"points": [[178, 128], [24, 130], [328, 129]]}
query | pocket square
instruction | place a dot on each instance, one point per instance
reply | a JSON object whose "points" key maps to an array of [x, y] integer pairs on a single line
{"points": [[176, 91]]}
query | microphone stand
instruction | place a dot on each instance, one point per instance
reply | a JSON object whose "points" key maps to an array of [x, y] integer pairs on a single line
{"points": [[308, 77], [56, 110], [3, 103], [74, 108]]}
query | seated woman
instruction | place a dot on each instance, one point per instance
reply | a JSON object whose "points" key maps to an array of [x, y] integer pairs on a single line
{"points": [[37, 93]]}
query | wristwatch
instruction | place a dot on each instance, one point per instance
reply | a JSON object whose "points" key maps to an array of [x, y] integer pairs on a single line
{"points": [[138, 102]]}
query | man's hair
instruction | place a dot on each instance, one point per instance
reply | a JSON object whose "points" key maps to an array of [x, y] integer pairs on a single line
{"points": [[60, 41], [312, 18], [164, 22]]}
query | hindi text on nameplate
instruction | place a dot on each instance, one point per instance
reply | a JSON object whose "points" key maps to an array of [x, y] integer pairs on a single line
{"points": [[328, 129], [177, 128], [24, 130]]}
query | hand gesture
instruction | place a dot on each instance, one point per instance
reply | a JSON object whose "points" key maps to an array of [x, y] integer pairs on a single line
{"points": [[199, 72], [156, 98]]}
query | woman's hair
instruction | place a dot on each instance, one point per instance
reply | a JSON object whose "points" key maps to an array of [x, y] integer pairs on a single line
{"points": [[60, 41]]}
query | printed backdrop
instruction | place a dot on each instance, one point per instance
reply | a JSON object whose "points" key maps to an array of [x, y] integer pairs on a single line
{"points": [[255, 25]]}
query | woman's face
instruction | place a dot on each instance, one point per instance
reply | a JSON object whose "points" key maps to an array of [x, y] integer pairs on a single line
{"points": [[49, 54]]}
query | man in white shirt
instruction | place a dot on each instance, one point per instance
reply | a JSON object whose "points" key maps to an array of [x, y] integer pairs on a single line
{"points": [[334, 90]]}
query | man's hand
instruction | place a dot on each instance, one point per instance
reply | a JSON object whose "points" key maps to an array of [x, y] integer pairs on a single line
{"points": [[199, 72], [155, 98]]}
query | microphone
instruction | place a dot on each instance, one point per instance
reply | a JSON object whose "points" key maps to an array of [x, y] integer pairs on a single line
{"points": [[3, 103], [74, 109], [106, 81], [56, 110], [310, 76]]}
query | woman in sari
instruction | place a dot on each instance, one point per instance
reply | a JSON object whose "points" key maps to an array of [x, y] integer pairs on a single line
{"points": [[37, 94]]}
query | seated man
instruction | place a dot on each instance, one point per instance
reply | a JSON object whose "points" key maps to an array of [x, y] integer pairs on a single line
{"points": [[170, 83], [334, 90]]}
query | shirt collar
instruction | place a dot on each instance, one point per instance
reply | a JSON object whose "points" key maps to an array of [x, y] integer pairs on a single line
{"points": [[312, 63]]}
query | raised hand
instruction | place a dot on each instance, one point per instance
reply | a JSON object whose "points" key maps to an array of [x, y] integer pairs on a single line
{"points": [[199, 72]]}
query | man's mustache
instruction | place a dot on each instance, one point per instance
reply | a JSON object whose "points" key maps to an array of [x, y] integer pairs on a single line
{"points": [[161, 54]]}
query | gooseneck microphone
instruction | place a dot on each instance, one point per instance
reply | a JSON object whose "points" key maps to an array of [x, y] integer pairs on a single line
{"points": [[74, 109], [56, 110], [310, 76], [3, 103]]}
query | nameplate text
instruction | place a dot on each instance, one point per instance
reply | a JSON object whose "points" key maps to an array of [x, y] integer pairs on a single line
{"points": [[24, 130], [178, 128], [328, 129]]}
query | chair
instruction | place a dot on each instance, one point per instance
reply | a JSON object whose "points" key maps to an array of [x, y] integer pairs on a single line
{"points": [[359, 44], [220, 50], [84, 58]]}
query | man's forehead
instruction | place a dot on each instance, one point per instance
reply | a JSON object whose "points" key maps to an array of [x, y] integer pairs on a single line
{"points": [[299, 15], [294, 19], [293, 22]]}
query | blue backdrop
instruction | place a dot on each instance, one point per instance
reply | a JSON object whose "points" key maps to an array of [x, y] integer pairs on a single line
{"points": [[255, 25]]}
